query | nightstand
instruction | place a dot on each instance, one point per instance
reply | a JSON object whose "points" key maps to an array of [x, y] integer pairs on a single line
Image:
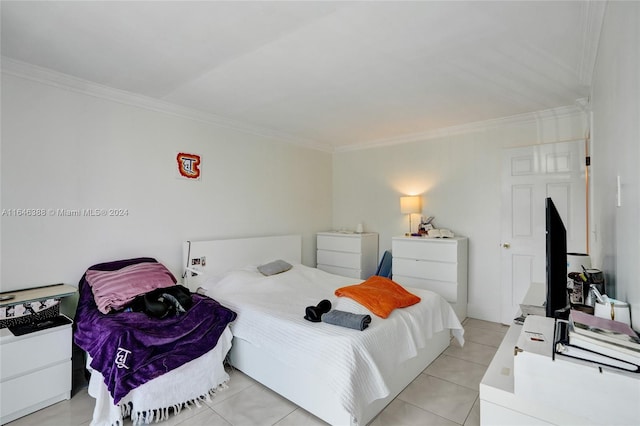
{"points": [[351, 254], [35, 368]]}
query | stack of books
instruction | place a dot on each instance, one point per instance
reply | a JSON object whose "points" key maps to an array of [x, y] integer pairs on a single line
{"points": [[600, 340]]}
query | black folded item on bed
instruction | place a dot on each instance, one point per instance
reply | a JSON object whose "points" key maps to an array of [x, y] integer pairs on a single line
{"points": [[347, 319], [314, 313], [163, 302]]}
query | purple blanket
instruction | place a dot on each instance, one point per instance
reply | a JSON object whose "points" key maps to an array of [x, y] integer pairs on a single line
{"points": [[130, 348]]}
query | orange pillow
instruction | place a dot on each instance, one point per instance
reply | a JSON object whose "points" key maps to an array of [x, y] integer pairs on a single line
{"points": [[380, 295]]}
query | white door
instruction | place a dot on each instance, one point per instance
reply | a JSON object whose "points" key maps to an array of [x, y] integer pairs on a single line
{"points": [[530, 175]]}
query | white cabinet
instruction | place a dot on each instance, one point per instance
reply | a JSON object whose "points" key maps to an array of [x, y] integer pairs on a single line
{"points": [[348, 254], [35, 368], [526, 386], [498, 403], [436, 264]]}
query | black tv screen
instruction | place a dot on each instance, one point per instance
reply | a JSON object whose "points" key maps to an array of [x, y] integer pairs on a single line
{"points": [[557, 297]]}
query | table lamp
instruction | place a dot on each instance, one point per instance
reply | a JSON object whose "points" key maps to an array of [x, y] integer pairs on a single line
{"points": [[410, 205]]}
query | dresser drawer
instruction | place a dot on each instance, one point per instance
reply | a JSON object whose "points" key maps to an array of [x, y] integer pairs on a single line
{"points": [[446, 289], [438, 265], [425, 269], [34, 351], [47, 385], [439, 250], [345, 272], [344, 243], [349, 255], [335, 258]]}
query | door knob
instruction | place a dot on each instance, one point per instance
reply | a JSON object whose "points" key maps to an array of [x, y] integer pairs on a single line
{"points": [[506, 245]]}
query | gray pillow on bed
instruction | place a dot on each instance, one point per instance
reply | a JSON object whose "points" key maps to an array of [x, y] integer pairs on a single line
{"points": [[275, 267]]}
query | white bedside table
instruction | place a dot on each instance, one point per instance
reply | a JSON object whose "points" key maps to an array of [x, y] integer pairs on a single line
{"points": [[35, 368]]}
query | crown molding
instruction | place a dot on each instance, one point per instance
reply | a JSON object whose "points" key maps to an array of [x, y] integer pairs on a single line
{"points": [[519, 119], [593, 18], [57, 79]]}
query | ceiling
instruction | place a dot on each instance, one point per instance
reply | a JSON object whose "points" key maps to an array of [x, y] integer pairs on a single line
{"points": [[332, 74]]}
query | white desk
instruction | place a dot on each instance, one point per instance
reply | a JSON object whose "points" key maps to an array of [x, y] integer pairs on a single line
{"points": [[39, 293], [547, 392]]}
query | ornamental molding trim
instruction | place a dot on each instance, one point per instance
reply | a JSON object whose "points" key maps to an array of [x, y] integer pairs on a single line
{"points": [[64, 81]]}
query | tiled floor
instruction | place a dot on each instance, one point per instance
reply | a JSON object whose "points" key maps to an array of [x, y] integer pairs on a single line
{"points": [[446, 393]]}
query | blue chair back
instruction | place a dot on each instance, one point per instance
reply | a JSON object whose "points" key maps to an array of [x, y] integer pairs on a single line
{"points": [[384, 269]]}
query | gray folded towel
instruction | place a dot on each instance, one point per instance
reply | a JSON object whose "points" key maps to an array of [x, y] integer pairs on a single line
{"points": [[347, 319]]}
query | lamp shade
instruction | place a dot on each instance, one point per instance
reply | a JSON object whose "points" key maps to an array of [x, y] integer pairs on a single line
{"points": [[410, 204]]}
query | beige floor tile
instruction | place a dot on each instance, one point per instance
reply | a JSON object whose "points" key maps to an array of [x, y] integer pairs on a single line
{"points": [[458, 371], [473, 419], [204, 417], [254, 406], [75, 411], [400, 412], [483, 336], [301, 417], [474, 352], [440, 397], [491, 326]]}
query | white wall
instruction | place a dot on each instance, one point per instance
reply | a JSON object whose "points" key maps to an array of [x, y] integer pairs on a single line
{"points": [[62, 149], [616, 152], [459, 179]]}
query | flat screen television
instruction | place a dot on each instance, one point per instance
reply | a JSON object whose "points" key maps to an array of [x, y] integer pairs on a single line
{"points": [[557, 301]]}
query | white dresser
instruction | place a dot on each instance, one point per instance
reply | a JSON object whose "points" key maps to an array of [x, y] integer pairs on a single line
{"points": [[436, 264], [348, 254], [35, 368]]}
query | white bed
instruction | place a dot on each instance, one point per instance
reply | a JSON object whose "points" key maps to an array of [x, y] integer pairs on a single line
{"points": [[343, 376]]}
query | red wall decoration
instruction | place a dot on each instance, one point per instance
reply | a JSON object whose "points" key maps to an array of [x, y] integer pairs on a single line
{"points": [[188, 165]]}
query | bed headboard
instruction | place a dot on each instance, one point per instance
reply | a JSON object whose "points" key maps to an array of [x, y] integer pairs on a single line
{"points": [[219, 256]]}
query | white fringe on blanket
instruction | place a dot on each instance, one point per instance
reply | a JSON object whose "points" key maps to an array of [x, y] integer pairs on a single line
{"points": [[161, 414]]}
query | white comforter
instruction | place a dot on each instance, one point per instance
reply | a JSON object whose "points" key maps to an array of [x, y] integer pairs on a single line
{"points": [[354, 363]]}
